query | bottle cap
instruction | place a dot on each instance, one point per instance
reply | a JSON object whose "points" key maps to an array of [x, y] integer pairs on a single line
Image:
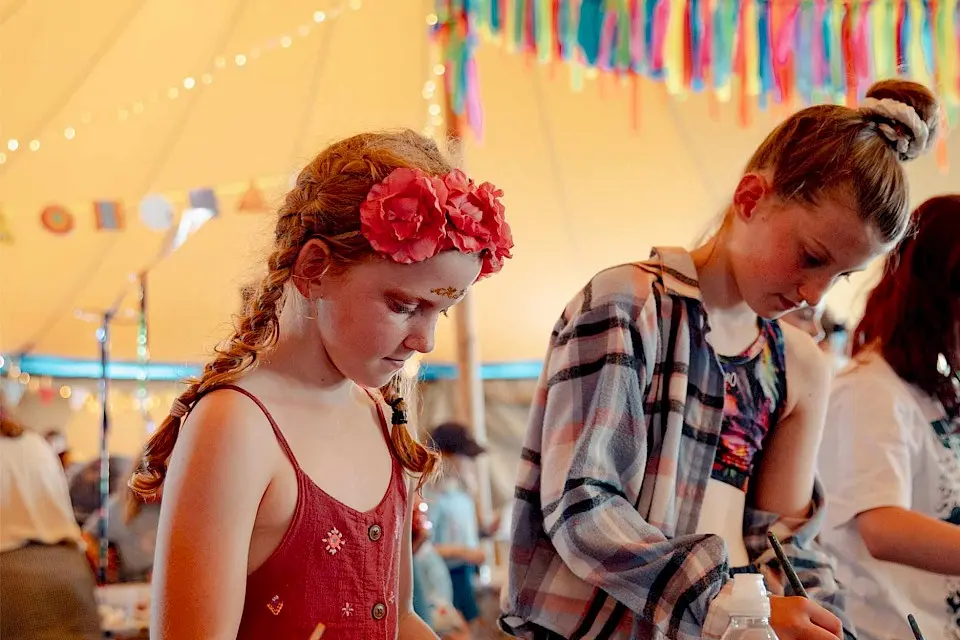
{"points": [[749, 597]]}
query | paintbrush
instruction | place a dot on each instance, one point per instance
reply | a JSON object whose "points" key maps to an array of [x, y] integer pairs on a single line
{"points": [[914, 627], [786, 566]]}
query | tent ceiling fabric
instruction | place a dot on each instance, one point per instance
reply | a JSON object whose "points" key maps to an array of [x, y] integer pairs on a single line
{"points": [[582, 189]]}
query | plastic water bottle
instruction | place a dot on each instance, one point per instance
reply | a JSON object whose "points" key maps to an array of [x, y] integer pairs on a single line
{"points": [[749, 609]]}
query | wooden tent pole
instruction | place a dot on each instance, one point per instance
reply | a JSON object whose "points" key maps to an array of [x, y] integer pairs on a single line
{"points": [[471, 407]]}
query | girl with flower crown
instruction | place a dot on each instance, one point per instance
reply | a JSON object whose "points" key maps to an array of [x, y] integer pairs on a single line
{"points": [[285, 492]]}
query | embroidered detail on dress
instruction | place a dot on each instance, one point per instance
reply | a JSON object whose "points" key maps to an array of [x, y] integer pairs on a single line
{"points": [[347, 609], [391, 598], [275, 605], [334, 541]]}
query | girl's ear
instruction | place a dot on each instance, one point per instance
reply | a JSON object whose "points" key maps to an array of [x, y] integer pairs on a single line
{"points": [[312, 263]]}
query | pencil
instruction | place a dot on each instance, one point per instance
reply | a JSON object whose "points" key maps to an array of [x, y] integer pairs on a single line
{"points": [[786, 566], [914, 627], [318, 631]]}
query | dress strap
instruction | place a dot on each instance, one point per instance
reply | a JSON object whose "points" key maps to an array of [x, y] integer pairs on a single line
{"points": [[273, 424]]}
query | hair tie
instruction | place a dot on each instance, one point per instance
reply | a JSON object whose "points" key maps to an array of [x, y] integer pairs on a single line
{"points": [[909, 144], [179, 408], [399, 410]]}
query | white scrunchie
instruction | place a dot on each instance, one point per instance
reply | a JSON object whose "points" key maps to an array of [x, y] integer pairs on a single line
{"points": [[908, 147]]}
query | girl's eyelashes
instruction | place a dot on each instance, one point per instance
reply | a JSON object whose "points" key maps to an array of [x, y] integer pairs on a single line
{"points": [[812, 261], [398, 307]]}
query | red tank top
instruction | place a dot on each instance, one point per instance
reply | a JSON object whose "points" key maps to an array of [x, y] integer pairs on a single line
{"points": [[335, 565]]}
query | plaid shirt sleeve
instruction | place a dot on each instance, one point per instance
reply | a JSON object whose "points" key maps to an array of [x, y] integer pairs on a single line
{"points": [[594, 462], [813, 565]]}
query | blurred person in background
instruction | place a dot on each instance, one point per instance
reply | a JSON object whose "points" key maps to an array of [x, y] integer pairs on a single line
{"points": [[131, 536], [890, 457], [46, 586], [432, 586], [453, 512], [820, 324]]}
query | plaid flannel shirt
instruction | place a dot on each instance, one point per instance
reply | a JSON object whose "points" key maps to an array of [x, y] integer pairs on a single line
{"points": [[621, 441]]}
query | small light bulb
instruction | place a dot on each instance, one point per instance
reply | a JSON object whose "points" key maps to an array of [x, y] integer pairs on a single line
{"points": [[189, 83], [286, 41], [172, 93], [319, 16], [34, 145], [220, 62], [438, 69], [24, 378], [65, 392], [69, 133], [240, 59], [432, 19], [206, 78], [436, 120], [13, 144], [430, 86], [3, 158], [434, 109], [427, 94]]}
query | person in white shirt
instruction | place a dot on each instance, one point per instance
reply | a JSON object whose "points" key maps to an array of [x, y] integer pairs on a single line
{"points": [[890, 456], [46, 585]]}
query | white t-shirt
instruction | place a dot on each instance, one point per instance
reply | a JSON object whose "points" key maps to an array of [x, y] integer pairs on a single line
{"points": [[34, 498], [888, 444]]}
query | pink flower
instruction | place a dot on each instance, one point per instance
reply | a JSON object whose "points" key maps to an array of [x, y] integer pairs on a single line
{"points": [[403, 216], [495, 225], [466, 232]]}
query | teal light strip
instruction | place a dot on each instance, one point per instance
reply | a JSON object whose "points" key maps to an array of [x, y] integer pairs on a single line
{"points": [[165, 372]]}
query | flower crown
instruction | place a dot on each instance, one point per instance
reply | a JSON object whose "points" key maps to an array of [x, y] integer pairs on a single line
{"points": [[412, 216]]}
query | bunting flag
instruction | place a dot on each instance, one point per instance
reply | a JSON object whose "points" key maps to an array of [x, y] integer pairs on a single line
{"points": [[252, 200], [756, 51], [205, 199], [108, 215], [56, 219]]}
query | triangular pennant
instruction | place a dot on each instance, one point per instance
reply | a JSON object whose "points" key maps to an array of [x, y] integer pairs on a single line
{"points": [[252, 201]]}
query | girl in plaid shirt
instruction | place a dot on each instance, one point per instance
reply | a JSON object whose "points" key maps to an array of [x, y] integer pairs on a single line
{"points": [[677, 422]]}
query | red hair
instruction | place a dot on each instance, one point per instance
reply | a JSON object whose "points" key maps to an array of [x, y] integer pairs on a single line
{"points": [[912, 314], [324, 203]]}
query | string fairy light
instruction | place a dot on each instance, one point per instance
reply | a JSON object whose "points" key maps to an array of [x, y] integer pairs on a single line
{"points": [[433, 125], [221, 63]]}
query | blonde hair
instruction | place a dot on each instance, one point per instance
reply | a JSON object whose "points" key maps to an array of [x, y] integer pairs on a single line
{"points": [[837, 151], [324, 204]]}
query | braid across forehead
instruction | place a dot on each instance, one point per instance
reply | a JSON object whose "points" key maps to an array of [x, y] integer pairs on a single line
{"points": [[323, 204]]}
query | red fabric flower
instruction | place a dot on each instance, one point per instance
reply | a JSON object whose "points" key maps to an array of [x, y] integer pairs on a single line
{"points": [[466, 232], [495, 225], [403, 216], [477, 223]]}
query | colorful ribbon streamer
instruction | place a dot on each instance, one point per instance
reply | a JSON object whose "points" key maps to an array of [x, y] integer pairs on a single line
{"points": [[774, 51]]}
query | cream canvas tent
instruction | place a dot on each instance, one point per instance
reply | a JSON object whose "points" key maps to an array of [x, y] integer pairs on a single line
{"points": [[124, 99]]}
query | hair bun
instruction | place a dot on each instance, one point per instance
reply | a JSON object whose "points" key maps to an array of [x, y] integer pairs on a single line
{"points": [[906, 114]]}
